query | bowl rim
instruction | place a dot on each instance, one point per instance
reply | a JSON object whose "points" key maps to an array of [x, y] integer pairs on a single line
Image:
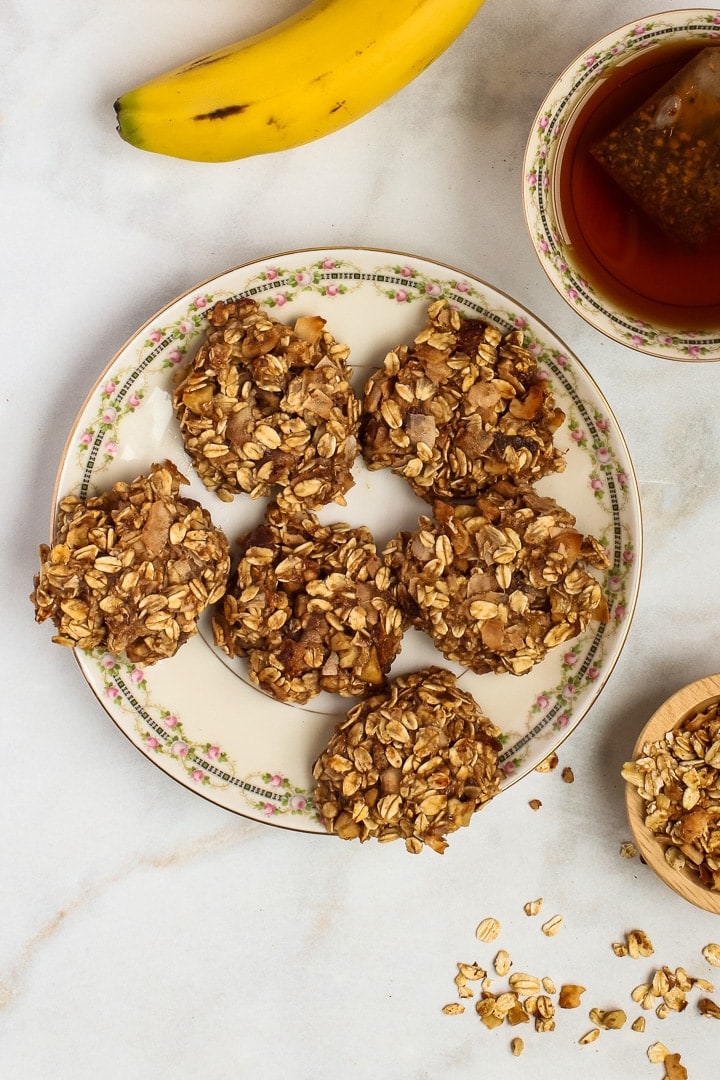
{"points": [[550, 125]]}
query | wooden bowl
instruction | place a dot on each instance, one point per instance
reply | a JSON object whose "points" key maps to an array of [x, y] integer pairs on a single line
{"points": [[691, 699]]}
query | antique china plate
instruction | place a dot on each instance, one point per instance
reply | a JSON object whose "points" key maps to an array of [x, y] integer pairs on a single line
{"points": [[196, 715]]}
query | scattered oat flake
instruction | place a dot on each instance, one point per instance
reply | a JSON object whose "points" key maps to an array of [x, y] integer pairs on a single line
{"points": [[523, 983], [553, 926], [589, 1037], [610, 1020], [517, 1046], [471, 971], [488, 929], [464, 990], [639, 1024], [711, 952], [657, 1052], [568, 775], [453, 1008], [628, 850], [533, 906], [639, 944], [708, 1007], [502, 962]]}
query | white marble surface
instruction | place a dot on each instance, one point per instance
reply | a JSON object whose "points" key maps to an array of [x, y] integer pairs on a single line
{"points": [[145, 932]]}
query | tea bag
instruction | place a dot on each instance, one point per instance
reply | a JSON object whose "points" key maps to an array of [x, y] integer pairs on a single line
{"points": [[666, 155]]}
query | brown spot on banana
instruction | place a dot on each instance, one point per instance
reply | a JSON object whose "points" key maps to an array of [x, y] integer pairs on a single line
{"points": [[221, 113]]}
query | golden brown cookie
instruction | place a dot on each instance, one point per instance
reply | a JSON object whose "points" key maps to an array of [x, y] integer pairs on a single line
{"points": [[264, 405], [498, 583], [412, 762], [313, 608], [132, 569], [461, 408]]}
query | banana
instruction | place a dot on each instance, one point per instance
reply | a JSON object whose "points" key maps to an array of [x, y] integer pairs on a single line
{"points": [[309, 75]]}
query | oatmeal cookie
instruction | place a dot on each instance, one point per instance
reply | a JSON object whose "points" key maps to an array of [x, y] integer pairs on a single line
{"points": [[412, 762], [499, 582], [264, 405], [132, 569], [461, 408], [312, 607]]}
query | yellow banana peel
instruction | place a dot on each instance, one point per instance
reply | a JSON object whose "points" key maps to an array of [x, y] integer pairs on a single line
{"points": [[309, 75]]}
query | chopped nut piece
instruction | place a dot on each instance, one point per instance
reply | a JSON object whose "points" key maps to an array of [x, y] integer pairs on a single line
{"points": [[517, 1015], [628, 850], [499, 583], [312, 607], [553, 926], [429, 762], [488, 929], [454, 1008], [590, 1037], [263, 404], [568, 775], [711, 953], [532, 907], [570, 994], [517, 1046], [460, 408], [132, 569], [673, 1069], [548, 764], [708, 1007]]}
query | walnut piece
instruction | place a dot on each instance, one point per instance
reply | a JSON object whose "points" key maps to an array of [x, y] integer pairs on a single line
{"points": [[312, 607], [459, 409], [132, 569], [412, 762], [264, 404], [498, 583]]}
